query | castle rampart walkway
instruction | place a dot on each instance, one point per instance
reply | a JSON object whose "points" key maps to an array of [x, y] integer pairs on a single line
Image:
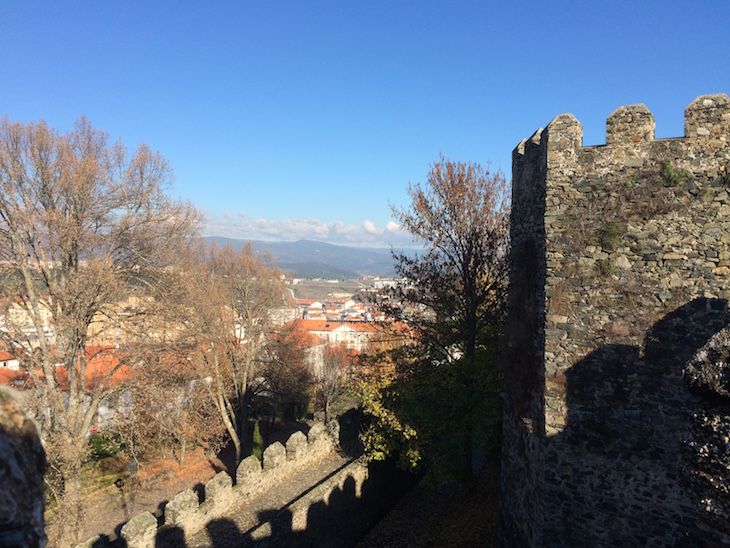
{"points": [[231, 530]]}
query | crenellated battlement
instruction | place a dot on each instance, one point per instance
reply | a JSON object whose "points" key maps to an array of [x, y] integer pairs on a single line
{"points": [[706, 120], [630, 124], [620, 271], [184, 515], [708, 117]]}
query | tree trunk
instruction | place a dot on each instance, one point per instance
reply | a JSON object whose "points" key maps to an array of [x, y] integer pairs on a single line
{"points": [[468, 440], [229, 426], [69, 517], [183, 446], [246, 440], [273, 419]]}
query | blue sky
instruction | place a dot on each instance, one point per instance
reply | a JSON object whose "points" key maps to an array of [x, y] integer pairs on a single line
{"points": [[289, 120]]}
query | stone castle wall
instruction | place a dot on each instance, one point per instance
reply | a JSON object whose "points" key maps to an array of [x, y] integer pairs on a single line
{"points": [[22, 466], [621, 264], [184, 515]]}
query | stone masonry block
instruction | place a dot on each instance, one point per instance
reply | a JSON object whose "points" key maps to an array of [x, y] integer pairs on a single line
{"points": [[274, 456], [708, 115], [249, 468], [564, 132], [317, 433], [320, 441], [630, 125], [218, 488], [334, 429], [182, 505], [140, 531], [93, 542], [296, 446]]}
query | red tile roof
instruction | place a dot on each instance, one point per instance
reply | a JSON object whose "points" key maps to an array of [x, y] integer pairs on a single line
{"points": [[101, 360], [7, 376], [324, 325]]}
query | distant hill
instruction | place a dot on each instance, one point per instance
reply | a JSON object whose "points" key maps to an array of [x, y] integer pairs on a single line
{"points": [[310, 259]]}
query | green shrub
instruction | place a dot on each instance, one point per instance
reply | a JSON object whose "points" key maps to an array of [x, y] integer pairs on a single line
{"points": [[674, 177], [611, 234], [103, 445], [258, 442], [604, 268]]}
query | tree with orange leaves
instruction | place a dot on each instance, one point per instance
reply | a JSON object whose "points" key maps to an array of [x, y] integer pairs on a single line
{"points": [[331, 378], [461, 216], [287, 370]]}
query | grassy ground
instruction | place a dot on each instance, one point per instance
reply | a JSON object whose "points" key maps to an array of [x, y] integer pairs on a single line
{"points": [[103, 473]]}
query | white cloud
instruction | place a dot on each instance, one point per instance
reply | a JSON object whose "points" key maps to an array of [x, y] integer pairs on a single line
{"points": [[369, 227], [338, 232]]}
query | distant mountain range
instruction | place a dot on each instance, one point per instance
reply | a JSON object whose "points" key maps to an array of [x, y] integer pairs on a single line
{"points": [[308, 259]]}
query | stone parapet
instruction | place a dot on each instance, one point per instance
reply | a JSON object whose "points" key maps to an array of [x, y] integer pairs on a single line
{"points": [[140, 531], [296, 446], [708, 117], [630, 125], [185, 513], [274, 456], [248, 470]]}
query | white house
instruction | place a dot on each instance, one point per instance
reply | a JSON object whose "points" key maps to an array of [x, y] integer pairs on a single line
{"points": [[8, 361]]}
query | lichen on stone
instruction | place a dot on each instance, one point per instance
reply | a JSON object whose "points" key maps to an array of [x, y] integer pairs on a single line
{"points": [[707, 374]]}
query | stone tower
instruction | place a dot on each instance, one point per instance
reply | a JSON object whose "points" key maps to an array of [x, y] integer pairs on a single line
{"points": [[620, 272]]}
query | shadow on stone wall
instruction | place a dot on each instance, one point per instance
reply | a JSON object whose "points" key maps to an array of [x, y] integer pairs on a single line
{"points": [[22, 465], [612, 475], [324, 516]]}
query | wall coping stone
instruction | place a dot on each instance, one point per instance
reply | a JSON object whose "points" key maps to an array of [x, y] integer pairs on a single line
{"points": [[274, 456], [140, 530], [221, 496], [296, 446], [181, 507], [247, 469]]}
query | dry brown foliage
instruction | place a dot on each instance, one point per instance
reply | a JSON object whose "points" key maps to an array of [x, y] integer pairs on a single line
{"points": [[232, 295], [84, 224]]}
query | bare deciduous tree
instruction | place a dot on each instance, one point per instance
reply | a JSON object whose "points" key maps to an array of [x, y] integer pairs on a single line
{"points": [[170, 410], [83, 225], [234, 295], [461, 215], [330, 379]]}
